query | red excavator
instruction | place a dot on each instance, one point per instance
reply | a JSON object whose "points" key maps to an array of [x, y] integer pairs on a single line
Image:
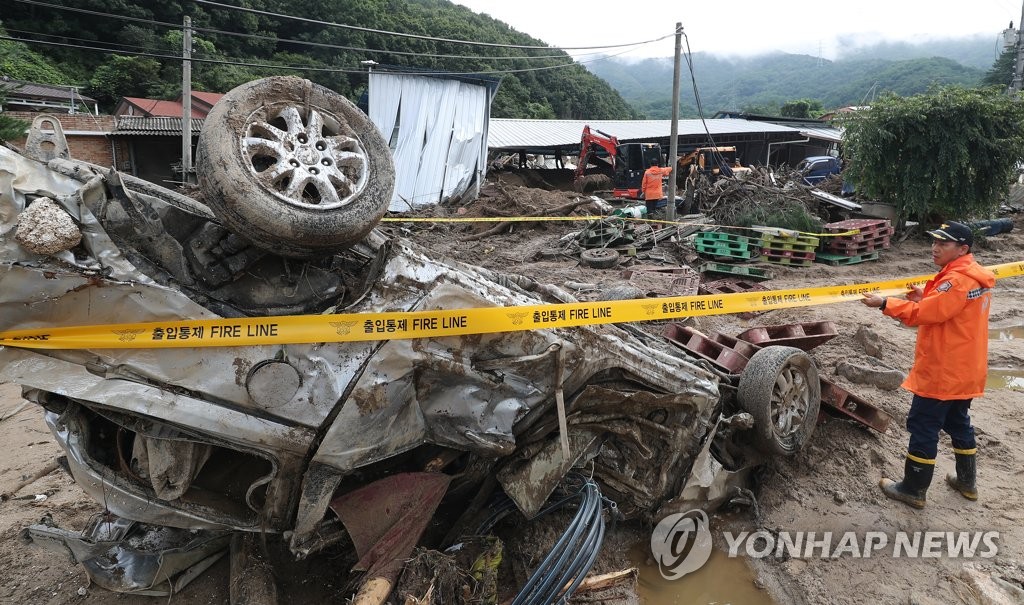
{"points": [[625, 163]]}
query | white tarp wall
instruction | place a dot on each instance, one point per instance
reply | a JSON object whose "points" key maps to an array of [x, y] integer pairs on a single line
{"points": [[440, 149]]}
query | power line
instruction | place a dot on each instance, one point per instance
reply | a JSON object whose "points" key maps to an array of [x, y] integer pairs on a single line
{"points": [[700, 106], [310, 68], [178, 58], [421, 37], [23, 31], [99, 14], [380, 51], [178, 27]]}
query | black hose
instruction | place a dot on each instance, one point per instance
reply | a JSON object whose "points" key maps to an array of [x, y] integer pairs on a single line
{"points": [[585, 557], [580, 571], [546, 570], [573, 555], [554, 575]]}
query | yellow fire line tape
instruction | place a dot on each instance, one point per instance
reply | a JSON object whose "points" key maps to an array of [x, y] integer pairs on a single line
{"points": [[530, 219], [351, 327]]}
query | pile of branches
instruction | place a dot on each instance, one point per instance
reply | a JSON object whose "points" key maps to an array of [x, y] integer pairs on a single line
{"points": [[771, 197]]}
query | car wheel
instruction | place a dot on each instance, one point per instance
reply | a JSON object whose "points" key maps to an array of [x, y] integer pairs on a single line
{"points": [[294, 167], [600, 258], [779, 387]]}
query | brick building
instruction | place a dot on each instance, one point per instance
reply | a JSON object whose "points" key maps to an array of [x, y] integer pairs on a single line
{"points": [[153, 146], [142, 138], [88, 137]]}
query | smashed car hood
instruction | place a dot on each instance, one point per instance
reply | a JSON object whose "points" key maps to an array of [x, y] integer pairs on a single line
{"points": [[413, 392]]}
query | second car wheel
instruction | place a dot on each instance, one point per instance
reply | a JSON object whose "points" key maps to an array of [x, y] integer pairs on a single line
{"points": [[294, 167], [600, 258], [780, 388]]}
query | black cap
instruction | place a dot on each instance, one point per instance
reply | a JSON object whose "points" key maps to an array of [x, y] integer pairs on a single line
{"points": [[954, 232]]}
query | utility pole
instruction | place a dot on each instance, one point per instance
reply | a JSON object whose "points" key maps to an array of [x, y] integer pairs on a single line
{"points": [[186, 103], [1018, 66], [673, 143]]}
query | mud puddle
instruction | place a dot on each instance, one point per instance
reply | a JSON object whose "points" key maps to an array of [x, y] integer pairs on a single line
{"points": [[1007, 333], [721, 581], [1006, 378]]}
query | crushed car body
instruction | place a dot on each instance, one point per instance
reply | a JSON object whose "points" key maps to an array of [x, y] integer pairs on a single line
{"points": [[265, 438]]}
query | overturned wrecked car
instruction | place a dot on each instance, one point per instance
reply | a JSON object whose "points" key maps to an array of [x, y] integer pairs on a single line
{"points": [[336, 442]]}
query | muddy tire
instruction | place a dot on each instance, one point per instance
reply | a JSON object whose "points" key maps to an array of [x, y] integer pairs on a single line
{"points": [[600, 258], [780, 389], [294, 167]]}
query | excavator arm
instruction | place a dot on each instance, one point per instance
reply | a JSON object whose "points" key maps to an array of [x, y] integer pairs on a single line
{"points": [[591, 144]]}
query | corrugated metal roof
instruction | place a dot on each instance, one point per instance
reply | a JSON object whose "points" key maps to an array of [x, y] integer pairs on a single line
{"points": [[834, 135], [521, 134], [142, 126], [22, 89]]}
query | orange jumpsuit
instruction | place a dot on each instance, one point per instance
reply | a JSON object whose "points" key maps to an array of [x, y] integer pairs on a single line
{"points": [[651, 183], [951, 357]]}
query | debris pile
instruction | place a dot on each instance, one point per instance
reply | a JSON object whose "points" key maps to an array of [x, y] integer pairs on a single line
{"points": [[769, 197], [732, 354]]}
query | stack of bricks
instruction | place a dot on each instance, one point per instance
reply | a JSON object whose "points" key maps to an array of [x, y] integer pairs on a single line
{"points": [[863, 246], [794, 250]]}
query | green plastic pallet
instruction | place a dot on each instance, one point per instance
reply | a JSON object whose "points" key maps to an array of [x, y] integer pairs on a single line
{"points": [[719, 236], [725, 245], [842, 259], [754, 273], [745, 253]]}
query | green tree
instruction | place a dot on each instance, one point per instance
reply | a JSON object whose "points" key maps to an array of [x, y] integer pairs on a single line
{"points": [[20, 63], [950, 153], [760, 109], [122, 76], [801, 108], [10, 128], [1001, 73]]}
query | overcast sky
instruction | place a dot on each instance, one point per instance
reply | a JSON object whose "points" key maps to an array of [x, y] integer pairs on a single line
{"points": [[746, 27]]}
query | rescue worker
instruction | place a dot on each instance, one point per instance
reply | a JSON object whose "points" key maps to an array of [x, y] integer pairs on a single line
{"points": [[950, 363], [650, 185]]}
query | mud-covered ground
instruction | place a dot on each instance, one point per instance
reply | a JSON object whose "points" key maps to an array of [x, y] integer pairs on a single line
{"points": [[830, 486]]}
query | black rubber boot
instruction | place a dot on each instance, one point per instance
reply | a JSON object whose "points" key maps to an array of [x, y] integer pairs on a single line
{"points": [[917, 476], [966, 476]]}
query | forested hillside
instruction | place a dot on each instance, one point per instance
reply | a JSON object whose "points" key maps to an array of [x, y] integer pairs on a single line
{"points": [[762, 84], [530, 86]]}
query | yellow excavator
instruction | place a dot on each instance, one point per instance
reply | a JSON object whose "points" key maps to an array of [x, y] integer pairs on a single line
{"points": [[712, 162]]}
